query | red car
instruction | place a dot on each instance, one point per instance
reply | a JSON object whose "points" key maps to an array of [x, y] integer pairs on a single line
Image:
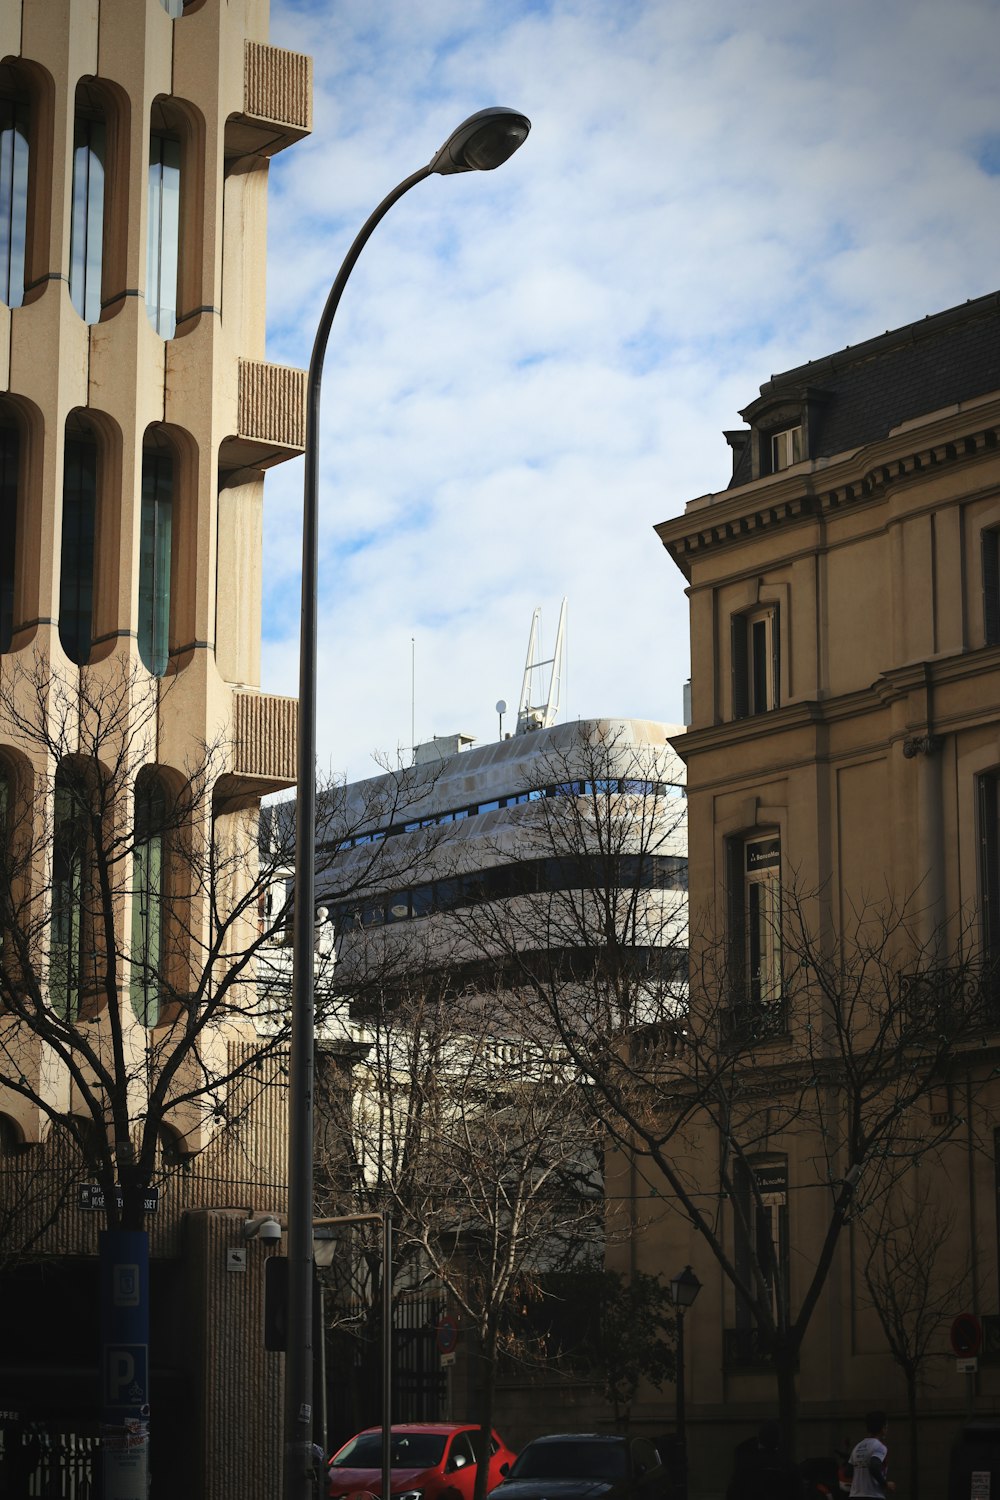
{"points": [[430, 1461]]}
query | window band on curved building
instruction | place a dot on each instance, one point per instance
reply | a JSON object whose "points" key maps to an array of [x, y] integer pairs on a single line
{"points": [[629, 786], [525, 877]]}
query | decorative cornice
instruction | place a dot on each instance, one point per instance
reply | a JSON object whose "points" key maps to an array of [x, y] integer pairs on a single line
{"points": [[789, 497]]}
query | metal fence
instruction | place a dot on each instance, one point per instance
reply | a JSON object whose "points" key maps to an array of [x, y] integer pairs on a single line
{"points": [[42, 1462]]}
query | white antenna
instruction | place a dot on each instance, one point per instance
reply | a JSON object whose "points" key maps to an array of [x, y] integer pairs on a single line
{"points": [[542, 715]]}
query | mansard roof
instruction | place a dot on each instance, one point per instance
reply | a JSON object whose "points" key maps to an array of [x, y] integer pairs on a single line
{"points": [[857, 395]]}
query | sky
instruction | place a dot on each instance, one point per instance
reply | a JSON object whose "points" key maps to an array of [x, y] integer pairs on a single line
{"points": [[532, 367]]}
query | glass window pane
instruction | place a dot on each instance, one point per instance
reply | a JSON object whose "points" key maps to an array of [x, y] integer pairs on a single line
{"points": [[76, 585], [87, 219], [13, 199], [147, 901], [154, 560], [163, 233], [8, 530]]}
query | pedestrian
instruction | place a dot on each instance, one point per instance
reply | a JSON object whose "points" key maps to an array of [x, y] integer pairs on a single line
{"points": [[761, 1472], [869, 1459]]}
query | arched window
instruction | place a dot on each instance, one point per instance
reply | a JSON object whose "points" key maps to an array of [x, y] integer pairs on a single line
{"points": [[155, 531], [14, 121], [163, 230], [69, 966], [76, 579], [148, 898], [87, 216], [9, 462]]}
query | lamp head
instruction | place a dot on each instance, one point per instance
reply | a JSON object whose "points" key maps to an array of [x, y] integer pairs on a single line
{"points": [[484, 141], [685, 1287]]}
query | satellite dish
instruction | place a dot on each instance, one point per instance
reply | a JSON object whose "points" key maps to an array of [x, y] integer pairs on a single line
{"points": [[501, 706]]}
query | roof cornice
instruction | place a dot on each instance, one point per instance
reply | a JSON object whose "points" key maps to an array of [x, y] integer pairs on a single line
{"points": [[858, 477]]}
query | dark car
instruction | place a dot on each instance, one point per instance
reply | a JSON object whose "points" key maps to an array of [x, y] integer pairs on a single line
{"points": [[585, 1466], [430, 1461]]}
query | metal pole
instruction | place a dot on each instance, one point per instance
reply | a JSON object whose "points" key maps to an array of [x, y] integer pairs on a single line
{"points": [[298, 1412], [681, 1415], [386, 1355]]}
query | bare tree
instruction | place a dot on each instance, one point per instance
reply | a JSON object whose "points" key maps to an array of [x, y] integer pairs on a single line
{"points": [[722, 1077], [483, 1145], [915, 1284], [617, 1330], [143, 987]]}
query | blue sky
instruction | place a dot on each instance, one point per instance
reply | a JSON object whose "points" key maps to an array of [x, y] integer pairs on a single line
{"points": [[531, 367]]}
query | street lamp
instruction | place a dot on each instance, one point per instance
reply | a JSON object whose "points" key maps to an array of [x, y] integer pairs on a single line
{"points": [[484, 141], [684, 1288]]}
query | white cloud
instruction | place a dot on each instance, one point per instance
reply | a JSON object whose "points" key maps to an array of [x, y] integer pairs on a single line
{"points": [[532, 367]]}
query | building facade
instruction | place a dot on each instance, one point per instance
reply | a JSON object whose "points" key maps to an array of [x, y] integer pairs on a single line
{"points": [[138, 415], [842, 764]]}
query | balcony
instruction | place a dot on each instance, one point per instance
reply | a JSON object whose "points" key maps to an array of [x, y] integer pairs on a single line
{"points": [[264, 742], [277, 102], [270, 417]]}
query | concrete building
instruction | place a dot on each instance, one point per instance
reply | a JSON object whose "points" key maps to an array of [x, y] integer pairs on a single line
{"points": [[467, 828], [137, 417], [843, 761]]}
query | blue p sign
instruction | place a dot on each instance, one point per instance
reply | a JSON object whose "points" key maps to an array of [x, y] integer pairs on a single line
{"points": [[125, 1382]]}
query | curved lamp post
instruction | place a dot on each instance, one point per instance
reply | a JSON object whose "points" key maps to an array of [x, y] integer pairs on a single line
{"points": [[684, 1288], [484, 141]]}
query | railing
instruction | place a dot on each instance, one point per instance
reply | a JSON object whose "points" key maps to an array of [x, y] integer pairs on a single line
{"points": [[272, 405], [264, 734], [48, 1462], [277, 85]]}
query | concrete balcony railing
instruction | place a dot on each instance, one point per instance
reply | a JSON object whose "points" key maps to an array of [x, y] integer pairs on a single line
{"points": [[265, 731], [270, 416], [277, 102]]}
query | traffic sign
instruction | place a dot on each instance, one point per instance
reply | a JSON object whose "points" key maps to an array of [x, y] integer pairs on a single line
{"points": [[966, 1335], [447, 1335]]}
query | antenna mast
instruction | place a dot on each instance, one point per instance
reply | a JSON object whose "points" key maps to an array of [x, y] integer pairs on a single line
{"points": [[542, 715]]}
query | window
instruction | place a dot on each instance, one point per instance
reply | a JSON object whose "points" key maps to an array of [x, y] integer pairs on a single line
{"points": [[991, 586], [786, 448], [87, 216], [755, 915], [988, 796], [755, 662], [9, 461], [147, 898], [163, 230], [76, 578], [71, 852], [155, 530], [762, 1225], [14, 118]]}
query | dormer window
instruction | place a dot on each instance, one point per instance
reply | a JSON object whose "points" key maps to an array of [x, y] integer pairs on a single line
{"points": [[786, 448]]}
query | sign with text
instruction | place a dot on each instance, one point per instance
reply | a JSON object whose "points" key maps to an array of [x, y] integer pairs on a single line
{"points": [[92, 1197]]}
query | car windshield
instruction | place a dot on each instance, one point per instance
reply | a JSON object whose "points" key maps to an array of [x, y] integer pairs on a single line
{"points": [[410, 1450], [570, 1460]]}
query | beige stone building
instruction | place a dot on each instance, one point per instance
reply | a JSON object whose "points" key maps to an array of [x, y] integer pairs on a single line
{"points": [[843, 764], [138, 415]]}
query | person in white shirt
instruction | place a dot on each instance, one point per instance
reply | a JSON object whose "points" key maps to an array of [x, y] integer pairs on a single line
{"points": [[869, 1458]]}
